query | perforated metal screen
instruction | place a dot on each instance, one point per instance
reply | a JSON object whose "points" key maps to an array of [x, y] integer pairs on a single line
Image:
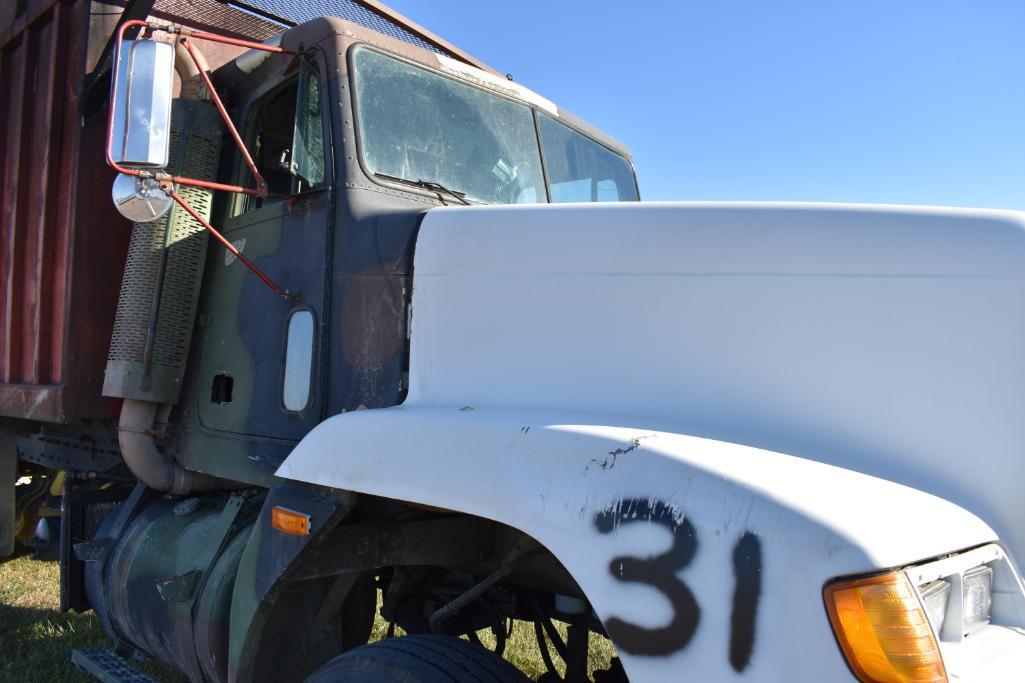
{"points": [[216, 16], [195, 150], [299, 11]]}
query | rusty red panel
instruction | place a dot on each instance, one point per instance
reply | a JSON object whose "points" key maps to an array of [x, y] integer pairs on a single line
{"points": [[36, 197], [12, 75], [62, 217], [48, 365], [62, 243]]}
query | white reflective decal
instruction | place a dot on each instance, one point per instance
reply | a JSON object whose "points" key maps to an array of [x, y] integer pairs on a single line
{"points": [[298, 362]]}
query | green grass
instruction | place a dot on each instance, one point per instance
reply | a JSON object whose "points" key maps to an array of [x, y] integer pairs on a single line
{"points": [[36, 638]]}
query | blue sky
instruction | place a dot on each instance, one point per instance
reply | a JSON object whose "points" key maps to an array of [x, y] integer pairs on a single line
{"points": [[902, 101]]}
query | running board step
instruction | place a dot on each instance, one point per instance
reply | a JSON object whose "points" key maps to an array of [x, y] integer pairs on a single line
{"points": [[106, 666]]}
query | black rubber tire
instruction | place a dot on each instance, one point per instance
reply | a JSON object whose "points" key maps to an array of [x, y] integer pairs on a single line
{"points": [[418, 659]]}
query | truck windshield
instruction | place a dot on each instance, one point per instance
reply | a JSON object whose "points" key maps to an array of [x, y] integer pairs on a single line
{"points": [[418, 125], [426, 128]]}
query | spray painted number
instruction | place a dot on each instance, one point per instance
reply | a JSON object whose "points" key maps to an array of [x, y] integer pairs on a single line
{"points": [[661, 571]]}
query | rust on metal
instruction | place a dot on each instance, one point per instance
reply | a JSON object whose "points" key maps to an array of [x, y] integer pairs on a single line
{"points": [[216, 16], [261, 184], [48, 365], [62, 243], [427, 36]]}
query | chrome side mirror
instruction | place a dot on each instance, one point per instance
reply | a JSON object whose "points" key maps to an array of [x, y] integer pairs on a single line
{"points": [[141, 102]]}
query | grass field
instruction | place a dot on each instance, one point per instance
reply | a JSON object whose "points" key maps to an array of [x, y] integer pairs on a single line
{"points": [[36, 639]]}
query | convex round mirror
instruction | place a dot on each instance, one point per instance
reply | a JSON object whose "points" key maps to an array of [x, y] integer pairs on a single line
{"points": [[140, 200]]}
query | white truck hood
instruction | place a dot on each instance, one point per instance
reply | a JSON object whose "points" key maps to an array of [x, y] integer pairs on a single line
{"points": [[885, 340]]}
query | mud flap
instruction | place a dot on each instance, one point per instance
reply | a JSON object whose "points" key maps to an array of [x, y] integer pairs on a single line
{"points": [[8, 477]]}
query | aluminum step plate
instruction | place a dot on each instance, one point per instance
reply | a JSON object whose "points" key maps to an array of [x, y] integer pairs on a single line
{"points": [[106, 666]]}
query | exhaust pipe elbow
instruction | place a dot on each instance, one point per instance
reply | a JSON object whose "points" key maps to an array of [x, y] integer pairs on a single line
{"points": [[146, 462], [193, 87]]}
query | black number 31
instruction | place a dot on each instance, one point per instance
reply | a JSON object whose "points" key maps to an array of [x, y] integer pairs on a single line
{"points": [[660, 572]]}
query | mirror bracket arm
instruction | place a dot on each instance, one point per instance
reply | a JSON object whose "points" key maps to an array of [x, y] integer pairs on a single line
{"points": [[167, 185], [168, 181], [261, 186]]}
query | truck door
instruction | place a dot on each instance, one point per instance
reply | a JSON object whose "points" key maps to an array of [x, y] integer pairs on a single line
{"points": [[260, 354]]}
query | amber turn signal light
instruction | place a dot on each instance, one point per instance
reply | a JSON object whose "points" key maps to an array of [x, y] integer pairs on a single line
{"points": [[289, 521], [883, 630]]}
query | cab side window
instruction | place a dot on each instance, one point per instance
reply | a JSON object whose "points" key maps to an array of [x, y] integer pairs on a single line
{"points": [[287, 138], [580, 169], [308, 140]]}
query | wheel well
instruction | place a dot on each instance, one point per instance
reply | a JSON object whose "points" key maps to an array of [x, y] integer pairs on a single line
{"points": [[450, 573]]}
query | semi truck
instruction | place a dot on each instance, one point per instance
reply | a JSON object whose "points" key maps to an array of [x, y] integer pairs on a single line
{"points": [[376, 331]]}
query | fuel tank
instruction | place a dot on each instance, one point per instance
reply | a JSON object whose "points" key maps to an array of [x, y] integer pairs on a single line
{"points": [[163, 583]]}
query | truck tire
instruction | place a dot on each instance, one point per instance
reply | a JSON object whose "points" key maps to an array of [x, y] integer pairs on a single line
{"points": [[418, 659]]}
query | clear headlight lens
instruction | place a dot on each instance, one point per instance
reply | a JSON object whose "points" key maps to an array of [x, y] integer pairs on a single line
{"points": [[978, 597], [934, 597]]}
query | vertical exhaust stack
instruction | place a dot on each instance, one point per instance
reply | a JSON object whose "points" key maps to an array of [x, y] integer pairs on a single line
{"points": [[159, 297]]}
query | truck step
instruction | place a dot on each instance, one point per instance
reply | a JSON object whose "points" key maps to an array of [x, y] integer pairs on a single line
{"points": [[106, 666]]}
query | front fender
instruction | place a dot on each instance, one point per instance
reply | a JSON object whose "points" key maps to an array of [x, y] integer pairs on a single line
{"points": [[699, 556]]}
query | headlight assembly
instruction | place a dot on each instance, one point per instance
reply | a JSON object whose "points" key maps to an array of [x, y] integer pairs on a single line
{"points": [[960, 617]]}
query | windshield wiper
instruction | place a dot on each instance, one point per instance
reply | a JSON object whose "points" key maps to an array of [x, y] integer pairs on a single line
{"points": [[427, 185]]}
